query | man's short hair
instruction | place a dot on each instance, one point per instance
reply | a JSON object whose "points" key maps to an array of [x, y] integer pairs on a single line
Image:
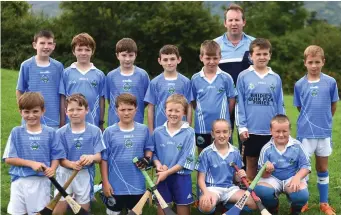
{"points": [[43, 33], [178, 99], [261, 43], [169, 49], [83, 39], [313, 50], [280, 118], [210, 48], [126, 44], [30, 100], [125, 98], [234, 7], [78, 98]]}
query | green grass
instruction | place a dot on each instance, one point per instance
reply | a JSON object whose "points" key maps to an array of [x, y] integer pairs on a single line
{"points": [[10, 118]]}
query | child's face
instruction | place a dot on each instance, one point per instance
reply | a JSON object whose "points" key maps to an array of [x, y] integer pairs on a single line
{"points": [[83, 54], [260, 57], [32, 116], [44, 46], [314, 64], [280, 132], [76, 113], [221, 133], [126, 112], [169, 62], [174, 112], [210, 62], [126, 59]]}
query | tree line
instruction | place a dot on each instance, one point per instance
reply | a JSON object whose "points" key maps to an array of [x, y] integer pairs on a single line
{"points": [[288, 25]]}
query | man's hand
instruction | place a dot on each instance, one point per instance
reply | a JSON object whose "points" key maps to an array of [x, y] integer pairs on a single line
{"points": [[142, 163], [244, 136]]}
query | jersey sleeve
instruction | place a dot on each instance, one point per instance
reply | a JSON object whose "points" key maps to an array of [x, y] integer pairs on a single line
{"points": [[22, 84], [231, 91], [150, 96], [239, 161], [188, 91], [146, 82], [263, 157], [187, 154], [240, 113], [57, 147], [202, 162], [62, 83], [152, 146], [297, 98], [106, 139], [193, 89], [101, 88], [334, 95], [280, 98], [107, 87], [303, 159], [10, 150], [147, 143], [99, 145]]}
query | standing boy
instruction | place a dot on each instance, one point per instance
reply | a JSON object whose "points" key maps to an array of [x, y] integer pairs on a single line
{"points": [[83, 77], [124, 140], [127, 78], [30, 147], [214, 94], [83, 143], [315, 97], [42, 74], [173, 146], [286, 170], [260, 97], [166, 84]]}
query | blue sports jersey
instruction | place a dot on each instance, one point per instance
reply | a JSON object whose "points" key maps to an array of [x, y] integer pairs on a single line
{"points": [[160, 89], [315, 99], [234, 59], [259, 100], [212, 99], [35, 146], [91, 85], [122, 147], [172, 149], [288, 162], [217, 169], [34, 78], [135, 84]]}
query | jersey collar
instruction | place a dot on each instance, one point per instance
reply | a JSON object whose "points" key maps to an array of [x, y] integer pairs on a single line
{"points": [[183, 126], [291, 142], [227, 41], [251, 68], [231, 149], [73, 65]]}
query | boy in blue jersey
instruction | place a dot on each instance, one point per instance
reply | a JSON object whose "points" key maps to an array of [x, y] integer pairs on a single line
{"points": [[260, 97], [166, 84], [127, 78], [173, 147], [83, 143], [124, 141], [42, 74], [30, 147], [213, 92], [286, 170], [215, 175], [83, 77], [316, 96]]}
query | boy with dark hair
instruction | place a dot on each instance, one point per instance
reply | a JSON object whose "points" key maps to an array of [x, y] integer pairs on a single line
{"points": [[42, 74], [30, 148], [166, 84], [83, 77], [127, 78]]}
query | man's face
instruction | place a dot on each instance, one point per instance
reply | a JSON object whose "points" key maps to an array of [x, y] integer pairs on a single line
{"points": [[234, 22]]}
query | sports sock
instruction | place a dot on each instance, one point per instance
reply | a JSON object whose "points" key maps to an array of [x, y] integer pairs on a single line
{"points": [[323, 186]]}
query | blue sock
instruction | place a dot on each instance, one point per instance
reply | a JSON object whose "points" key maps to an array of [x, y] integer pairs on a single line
{"points": [[299, 198], [267, 195], [323, 186]]}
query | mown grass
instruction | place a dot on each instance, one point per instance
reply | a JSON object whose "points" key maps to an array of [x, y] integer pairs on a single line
{"points": [[10, 118]]}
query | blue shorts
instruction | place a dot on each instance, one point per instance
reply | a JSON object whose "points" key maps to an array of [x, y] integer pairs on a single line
{"points": [[177, 188]]}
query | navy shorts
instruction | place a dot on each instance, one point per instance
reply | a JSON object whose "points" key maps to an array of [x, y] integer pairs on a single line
{"points": [[203, 140], [254, 144], [177, 188]]}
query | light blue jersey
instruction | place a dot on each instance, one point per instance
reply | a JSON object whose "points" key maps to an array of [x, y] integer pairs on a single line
{"points": [[288, 162], [34, 78], [135, 84], [35, 146], [160, 89], [259, 100], [217, 169], [91, 84], [172, 149], [122, 147], [212, 99], [315, 99]]}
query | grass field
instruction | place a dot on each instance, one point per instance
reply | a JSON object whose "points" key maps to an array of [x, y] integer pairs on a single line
{"points": [[10, 118]]}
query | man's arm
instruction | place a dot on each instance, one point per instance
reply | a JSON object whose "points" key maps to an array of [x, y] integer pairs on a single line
{"points": [[150, 120]]}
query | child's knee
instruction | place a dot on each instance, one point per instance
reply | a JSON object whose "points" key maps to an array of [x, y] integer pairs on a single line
{"points": [[207, 208], [267, 195], [299, 198]]}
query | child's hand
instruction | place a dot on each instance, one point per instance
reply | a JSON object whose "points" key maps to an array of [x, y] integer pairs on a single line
{"points": [[240, 174], [161, 168], [269, 167], [161, 176], [107, 189], [206, 202], [86, 160], [49, 172], [294, 184], [76, 165], [37, 166]]}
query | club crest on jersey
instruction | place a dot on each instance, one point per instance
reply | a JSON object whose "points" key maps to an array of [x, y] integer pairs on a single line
{"points": [[292, 161], [179, 148], [126, 87], [44, 78], [272, 87], [200, 140], [78, 144], [314, 92], [251, 86], [128, 143], [34, 145], [221, 89], [189, 159], [171, 90], [94, 83]]}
